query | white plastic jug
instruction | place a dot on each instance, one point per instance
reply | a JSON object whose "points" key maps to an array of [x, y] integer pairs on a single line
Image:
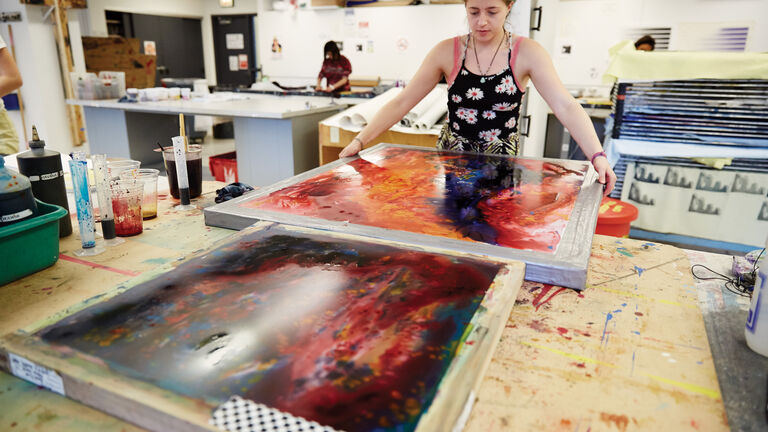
{"points": [[756, 331]]}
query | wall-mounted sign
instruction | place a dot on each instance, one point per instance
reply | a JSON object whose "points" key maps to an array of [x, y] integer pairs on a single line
{"points": [[235, 41], [150, 48]]}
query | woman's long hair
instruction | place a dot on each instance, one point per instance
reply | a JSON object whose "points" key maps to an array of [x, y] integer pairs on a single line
{"points": [[331, 47]]}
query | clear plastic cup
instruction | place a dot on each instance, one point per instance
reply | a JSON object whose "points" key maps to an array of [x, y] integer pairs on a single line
{"points": [[126, 204], [148, 178], [115, 167]]}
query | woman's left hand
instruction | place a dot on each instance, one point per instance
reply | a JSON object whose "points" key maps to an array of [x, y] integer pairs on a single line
{"points": [[606, 175]]}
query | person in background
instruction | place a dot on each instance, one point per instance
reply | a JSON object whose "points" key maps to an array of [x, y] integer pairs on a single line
{"points": [[10, 80], [645, 43], [487, 72], [336, 69]]}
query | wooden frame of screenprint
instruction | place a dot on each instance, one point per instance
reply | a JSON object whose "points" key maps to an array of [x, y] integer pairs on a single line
{"points": [[89, 380], [566, 267]]}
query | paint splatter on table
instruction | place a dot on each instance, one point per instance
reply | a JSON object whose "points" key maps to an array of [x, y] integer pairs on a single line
{"points": [[628, 353]]}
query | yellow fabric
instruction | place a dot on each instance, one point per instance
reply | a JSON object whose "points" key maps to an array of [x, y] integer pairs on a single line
{"points": [[630, 64], [9, 141], [716, 163]]}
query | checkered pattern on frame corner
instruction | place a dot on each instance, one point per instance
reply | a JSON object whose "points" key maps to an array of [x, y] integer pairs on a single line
{"points": [[243, 415]]}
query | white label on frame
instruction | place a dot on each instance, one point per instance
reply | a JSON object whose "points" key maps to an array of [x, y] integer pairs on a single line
{"points": [[36, 374]]}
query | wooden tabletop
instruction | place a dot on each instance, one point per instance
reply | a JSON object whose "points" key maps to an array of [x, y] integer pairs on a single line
{"points": [[628, 353]]}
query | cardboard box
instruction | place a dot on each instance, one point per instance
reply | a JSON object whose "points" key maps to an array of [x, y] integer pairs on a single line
{"points": [[120, 54], [323, 3]]}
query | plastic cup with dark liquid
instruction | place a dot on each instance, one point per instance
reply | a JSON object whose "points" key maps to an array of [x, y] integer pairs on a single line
{"points": [[194, 155]]}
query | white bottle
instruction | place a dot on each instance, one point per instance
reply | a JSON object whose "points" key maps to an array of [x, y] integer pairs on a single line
{"points": [[757, 320]]}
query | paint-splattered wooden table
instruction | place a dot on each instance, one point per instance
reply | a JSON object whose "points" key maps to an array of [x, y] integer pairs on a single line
{"points": [[629, 353]]}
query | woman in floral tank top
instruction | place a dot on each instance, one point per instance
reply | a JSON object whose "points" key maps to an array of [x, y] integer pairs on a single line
{"points": [[486, 71]]}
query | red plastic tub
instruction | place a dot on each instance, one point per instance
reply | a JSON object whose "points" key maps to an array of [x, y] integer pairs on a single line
{"points": [[224, 167], [614, 217]]}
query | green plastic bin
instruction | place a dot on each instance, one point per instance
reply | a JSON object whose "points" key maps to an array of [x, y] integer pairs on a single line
{"points": [[32, 245]]}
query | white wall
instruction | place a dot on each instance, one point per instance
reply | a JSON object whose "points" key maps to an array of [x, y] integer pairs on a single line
{"points": [[593, 26], [38, 62], [302, 53], [395, 40]]}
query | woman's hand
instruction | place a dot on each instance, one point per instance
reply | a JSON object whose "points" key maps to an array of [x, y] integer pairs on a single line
{"points": [[353, 148], [606, 175]]}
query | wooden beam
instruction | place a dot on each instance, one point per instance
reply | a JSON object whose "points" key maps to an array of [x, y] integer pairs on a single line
{"points": [[74, 112]]}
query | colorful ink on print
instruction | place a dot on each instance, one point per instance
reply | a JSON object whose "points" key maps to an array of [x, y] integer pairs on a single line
{"points": [[349, 334], [498, 200]]}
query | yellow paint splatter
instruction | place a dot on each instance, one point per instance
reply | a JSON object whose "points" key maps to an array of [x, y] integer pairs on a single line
{"points": [[578, 357], [693, 388]]}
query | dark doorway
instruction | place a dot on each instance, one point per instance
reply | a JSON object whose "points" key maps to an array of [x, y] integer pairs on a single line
{"points": [[234, 50], [178, 42]]}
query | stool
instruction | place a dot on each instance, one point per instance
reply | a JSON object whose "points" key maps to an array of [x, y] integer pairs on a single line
{"points": [[614, 217]]}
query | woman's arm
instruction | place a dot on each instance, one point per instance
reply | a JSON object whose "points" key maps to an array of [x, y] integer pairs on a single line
{"points": [[338, 84], [425, 79], [10, 78], [538, 66]]}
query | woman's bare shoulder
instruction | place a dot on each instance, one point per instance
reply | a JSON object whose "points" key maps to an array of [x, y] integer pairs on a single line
{"points": [[445, 46]]}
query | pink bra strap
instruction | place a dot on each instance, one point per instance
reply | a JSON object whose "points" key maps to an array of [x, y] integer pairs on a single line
{"points": [[512, 59]]}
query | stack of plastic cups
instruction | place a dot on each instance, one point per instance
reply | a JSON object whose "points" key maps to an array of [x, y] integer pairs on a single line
{"points": [[147, 177], [114, 168]]}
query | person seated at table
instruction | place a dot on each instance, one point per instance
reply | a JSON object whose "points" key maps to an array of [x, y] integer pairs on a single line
{"points": [[336, 69], [645, 43]]}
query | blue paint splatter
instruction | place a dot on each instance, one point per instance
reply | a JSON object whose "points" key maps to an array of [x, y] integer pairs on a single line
{"points": [[603, 339], [633, 363], [156, 261], [639, 270], [636, 332], [623, 305]]}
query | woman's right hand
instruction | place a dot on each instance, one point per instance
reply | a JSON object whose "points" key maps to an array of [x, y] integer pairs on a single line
{"points": [[351, 149]]}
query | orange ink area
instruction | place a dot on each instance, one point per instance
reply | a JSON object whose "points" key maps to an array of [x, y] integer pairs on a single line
{"points": [[350, 334], [498, 200]]}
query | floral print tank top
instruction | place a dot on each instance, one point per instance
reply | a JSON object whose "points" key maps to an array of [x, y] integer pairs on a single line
{"points": [[482, 112]]}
